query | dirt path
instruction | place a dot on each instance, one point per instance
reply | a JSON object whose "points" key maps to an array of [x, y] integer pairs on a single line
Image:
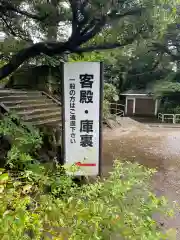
{"points": [[153, 147]]}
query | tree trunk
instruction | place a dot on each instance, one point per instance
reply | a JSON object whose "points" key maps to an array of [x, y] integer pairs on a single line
{"points": [[53, 25]]}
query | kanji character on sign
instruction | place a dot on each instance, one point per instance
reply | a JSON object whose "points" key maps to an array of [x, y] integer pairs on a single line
{"points": [[86, 140], [86, 80], [72, 86], [73, 129], [72, 117], [72, 123], [86, 96], [86, 126]]}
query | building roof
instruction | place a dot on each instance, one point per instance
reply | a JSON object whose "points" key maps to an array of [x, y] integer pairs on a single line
{"points": [[142, 92]]}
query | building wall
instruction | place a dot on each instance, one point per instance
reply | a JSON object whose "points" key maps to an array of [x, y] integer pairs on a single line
{"points": [[142, 105]]}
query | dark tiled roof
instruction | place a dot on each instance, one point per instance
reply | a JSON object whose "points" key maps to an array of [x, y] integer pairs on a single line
{"points": [[137, 92]]}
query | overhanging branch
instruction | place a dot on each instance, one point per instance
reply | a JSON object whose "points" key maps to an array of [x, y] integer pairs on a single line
{"points": [[74, 9], [101, 47], [8, 27], [107, 46], [134, 11], [5, 6], [37, 49], [86, 36], [84, 29]]}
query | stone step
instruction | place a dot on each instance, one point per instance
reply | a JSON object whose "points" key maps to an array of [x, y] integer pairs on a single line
{"points": [[20, 97], [50, 122], [13, 91], [32, 106], [38, 111], [43, 116], [3, 95], [20, 107], [27, 101]]}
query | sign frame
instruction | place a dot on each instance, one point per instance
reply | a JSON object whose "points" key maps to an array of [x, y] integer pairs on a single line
{"points": [[101, 87]]}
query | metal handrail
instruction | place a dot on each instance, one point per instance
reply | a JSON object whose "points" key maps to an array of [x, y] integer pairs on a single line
{"points": [[118, 112], [117, 104], [169, 116], [6, 109], [52, 98]]}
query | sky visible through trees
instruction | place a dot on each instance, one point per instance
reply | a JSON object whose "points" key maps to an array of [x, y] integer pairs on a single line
{"points": [[55, 27]]}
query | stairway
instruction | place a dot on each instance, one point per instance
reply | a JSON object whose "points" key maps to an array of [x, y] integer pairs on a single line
{"points": [[35, 107]]}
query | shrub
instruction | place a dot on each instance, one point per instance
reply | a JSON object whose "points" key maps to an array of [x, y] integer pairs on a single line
{"points": [[170, 108], [120, 207], [25, 140], [177, 109], [106, 109], [41, 202], [110, 93]]}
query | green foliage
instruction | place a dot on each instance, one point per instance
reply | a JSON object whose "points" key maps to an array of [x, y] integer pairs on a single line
{"points": [[166, 88], [110, 95], [177, 109], [106, 110], [42, 202], [131, 67], [4, 80], [15, 220], [56, 16], [110, 92], [11, 45], [170, 107], [87, 57], [56, 26], [25, 141], [121, 205]]}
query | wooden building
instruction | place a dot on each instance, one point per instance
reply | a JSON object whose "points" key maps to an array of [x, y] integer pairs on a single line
{"points": [[140, 103]]}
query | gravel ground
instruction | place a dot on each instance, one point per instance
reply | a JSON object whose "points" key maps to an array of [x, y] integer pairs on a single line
{"points": [[153, 147]]}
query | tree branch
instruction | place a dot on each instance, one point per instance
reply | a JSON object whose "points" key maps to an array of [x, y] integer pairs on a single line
{"points": [[30, 52], [115, 15], [96, 25], [74, 9], [5, 6], [51, 49], [89, 34], [84, 29], [100, 47], [107, 46], [8, 27], [164, 49], [80, 16], [84, 13]]}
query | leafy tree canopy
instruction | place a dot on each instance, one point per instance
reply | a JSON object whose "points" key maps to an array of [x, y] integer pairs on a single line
{"points": [[34, 28]]}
